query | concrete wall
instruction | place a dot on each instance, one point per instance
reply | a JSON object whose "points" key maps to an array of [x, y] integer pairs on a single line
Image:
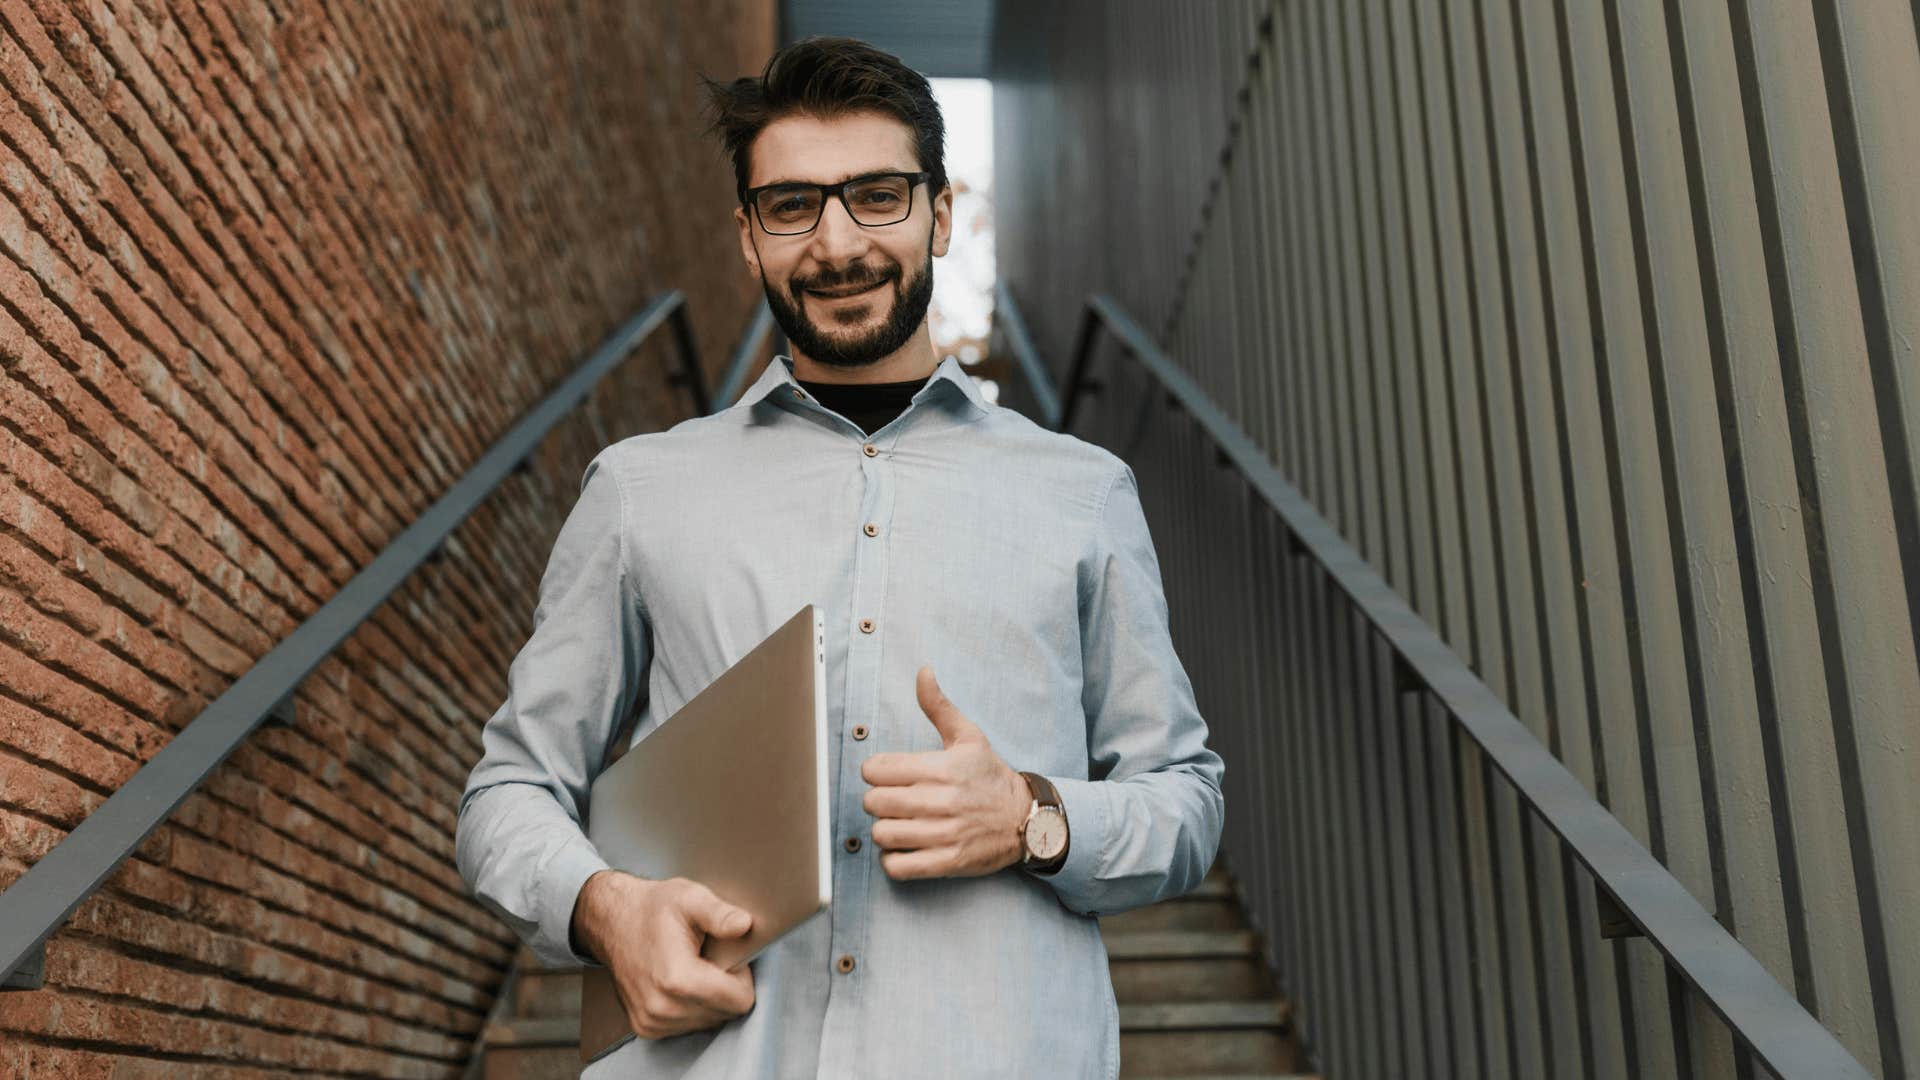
{"points": [[1592, 326], [271, 278]]}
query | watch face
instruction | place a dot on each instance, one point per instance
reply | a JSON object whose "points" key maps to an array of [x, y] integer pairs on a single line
{"points": [[1047, 833]]}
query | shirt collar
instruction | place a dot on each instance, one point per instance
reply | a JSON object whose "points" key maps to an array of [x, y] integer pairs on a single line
{"points": [[779, 376]]}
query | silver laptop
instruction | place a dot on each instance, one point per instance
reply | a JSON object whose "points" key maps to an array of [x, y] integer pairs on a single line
{"points": [[731, 791]]}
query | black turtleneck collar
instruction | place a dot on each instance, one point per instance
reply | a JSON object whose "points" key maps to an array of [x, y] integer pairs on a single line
{"points": [[870, 405]]}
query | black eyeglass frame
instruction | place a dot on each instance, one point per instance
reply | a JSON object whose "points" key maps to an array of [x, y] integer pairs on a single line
{"points": [[751, 204]]}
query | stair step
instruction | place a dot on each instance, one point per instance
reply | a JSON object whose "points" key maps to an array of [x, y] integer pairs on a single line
{"points": [[1214, 886], [532, 1063], [1186, 913], [1185, 979], [1210, 1015], [534, 1032], [1206, 1053], [1184, 944], [547, 992]]}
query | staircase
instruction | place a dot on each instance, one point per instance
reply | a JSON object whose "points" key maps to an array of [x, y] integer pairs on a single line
{"points": [[1195, 1000]]}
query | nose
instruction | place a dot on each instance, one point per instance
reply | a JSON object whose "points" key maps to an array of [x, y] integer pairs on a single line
{"points": [[838, 240]]}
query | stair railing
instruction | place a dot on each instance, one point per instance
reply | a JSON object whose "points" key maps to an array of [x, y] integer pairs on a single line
{"points": [[36, 904], [1342, 597]]}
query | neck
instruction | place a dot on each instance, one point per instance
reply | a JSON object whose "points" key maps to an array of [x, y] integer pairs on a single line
{"points": [[914, 360]]}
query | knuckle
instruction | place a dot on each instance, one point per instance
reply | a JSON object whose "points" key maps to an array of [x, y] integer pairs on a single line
{"points": [[672, 984]]}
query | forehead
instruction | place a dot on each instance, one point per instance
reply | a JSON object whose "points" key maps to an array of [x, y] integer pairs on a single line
{"points": [[827, 151]]}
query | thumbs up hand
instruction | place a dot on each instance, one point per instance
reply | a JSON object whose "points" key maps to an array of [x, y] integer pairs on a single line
{"points": [[951, 812]]}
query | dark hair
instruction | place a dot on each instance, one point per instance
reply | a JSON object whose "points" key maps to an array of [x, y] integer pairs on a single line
{"points": [[827, 77]]}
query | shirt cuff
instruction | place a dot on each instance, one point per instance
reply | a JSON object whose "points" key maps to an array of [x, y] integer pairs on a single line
{"points": [[572, 864], [1089, 824]]}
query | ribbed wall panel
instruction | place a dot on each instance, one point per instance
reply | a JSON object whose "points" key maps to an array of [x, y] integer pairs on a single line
{"points": [[1592, 327]]}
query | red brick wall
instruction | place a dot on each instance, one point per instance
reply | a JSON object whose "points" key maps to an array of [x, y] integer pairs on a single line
{"points": [[271, 277]]}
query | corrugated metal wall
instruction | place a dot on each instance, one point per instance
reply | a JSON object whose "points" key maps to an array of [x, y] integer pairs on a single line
{"points": [[1592, 326]]}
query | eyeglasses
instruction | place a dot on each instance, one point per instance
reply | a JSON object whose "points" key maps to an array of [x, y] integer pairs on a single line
{"points": [[872, 200]]}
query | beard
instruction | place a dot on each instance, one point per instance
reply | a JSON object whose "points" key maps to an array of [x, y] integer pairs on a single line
{"points": [[854, 348]]}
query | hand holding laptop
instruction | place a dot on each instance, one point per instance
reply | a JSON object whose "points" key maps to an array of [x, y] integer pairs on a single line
{"points": [[649, 935]]}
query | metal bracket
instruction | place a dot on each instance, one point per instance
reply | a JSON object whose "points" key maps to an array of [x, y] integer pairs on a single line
{"points": [[32, 972], [1613, 919], [1405, 679], [282, 714]]}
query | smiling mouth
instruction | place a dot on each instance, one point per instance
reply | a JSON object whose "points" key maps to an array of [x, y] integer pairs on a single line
{"points": [[844, 293]]}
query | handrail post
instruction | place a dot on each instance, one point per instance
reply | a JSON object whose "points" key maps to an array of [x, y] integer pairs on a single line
{"points": [[689, 350], [31, 972], [1082, 351]]}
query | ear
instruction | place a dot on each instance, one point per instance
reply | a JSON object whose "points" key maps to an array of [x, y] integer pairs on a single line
{"points": [[942, 220], [747, 251]]}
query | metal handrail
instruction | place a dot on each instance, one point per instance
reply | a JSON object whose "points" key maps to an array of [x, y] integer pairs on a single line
{"points": [[740, 366], [35, 905], [1760, 1013]]}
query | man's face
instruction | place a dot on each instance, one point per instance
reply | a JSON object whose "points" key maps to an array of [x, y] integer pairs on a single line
{"points": [[814, 282]]}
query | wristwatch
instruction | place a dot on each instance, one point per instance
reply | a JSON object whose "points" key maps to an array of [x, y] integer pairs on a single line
{"points": [[1043, 835]]}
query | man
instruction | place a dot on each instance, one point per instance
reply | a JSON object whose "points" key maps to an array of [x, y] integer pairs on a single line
{"points": [[998, 655]]}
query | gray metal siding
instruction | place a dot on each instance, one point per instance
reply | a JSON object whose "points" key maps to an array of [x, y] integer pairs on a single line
{"points": [[1592, 327]]}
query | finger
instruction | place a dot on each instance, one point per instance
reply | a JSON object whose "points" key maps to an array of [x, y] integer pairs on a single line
{"points": [[909, 834], [706, 988], [901, 767], [924, 863], [911, 801], [706, 912]]}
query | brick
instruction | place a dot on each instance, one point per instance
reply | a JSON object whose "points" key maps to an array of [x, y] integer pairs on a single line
{"points": [[270, 281]]}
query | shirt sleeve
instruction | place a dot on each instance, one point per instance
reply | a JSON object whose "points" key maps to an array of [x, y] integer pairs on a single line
{"points": [[1146, 824], [519, 841]]}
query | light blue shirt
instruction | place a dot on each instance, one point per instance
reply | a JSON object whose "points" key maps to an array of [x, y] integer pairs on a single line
{"points": [[1013, 559]]}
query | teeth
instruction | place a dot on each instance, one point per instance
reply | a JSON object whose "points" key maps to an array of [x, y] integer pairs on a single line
{"points": [[849, 292]]}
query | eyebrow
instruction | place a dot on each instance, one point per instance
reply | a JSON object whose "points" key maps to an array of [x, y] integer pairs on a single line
{"points": [[830, 183]]}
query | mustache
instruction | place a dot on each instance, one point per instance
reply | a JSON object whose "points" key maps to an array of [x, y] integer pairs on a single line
{"points": [[859, 274]]}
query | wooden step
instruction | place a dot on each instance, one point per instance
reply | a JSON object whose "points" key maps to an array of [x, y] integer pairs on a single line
{"points": [[1187, 913], [1184, 979], [537, 1048], [547, 993], [1206, 1038], [1212, 887], [1188, 944]]}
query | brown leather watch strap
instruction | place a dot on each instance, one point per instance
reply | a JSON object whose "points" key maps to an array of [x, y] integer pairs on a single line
{"points": [[1046, 794]]}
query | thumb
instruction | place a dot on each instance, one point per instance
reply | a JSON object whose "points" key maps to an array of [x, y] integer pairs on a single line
{"points": [[947, 718], [714, 915]]}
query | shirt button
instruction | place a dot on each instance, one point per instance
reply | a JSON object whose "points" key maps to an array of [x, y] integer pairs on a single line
{"points": [[853, 843], [871, 529], [845, 963], [870, 450], [859, 731], [866, 626]]}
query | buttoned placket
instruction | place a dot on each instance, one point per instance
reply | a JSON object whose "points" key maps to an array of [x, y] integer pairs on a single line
{"points": [[861, 732]]}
